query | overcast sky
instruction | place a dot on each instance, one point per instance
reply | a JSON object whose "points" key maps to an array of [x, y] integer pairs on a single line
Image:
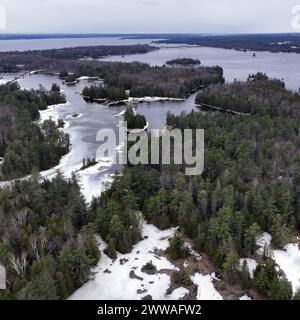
{"points": [[148, 16]]}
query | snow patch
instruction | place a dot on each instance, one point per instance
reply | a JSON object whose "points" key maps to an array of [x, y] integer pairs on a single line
{"points": [[206, 289], [51, 113], [252, 265], [265, 239], [245, 297], [289, 262], [112, 281]]}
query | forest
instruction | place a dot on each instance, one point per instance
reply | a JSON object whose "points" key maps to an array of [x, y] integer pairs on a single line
{"points": [[46, 241], [142, 80], [101, 92], [251, 184], [259, 95], [25, 145]]}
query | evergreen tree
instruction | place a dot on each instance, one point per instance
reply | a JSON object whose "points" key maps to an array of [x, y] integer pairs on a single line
{"points": [[250, 238], [245, 276], [177, 249], [41, 287], [231, 267]]}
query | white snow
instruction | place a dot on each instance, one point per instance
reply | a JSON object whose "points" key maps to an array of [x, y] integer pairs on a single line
{"points": [[252, 264], [74, 116], [87, 78], [120, 114], [206, 289], [51, 113], [289, 262], [265, 239], [2, 81], [287, 259], [117, 285], [245, 297], [152, 99]]}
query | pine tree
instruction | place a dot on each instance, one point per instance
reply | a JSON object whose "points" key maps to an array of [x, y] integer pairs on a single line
{"points": [[250, 238], [245, 276], [41, 287], [279, 231], [111, 251], [177, 249], [231, 267]]}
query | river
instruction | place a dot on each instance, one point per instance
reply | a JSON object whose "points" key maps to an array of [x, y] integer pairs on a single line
{"points": [[83, 129]]}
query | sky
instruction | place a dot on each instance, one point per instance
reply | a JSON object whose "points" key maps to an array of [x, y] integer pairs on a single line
{"points": [[147, 16]]}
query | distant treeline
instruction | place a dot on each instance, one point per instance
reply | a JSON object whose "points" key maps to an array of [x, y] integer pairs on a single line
{"points": [[252, 42], [35, 59], [94, 52]]}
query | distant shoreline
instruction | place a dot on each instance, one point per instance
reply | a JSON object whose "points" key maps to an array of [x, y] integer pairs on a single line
{"points": [[38, 36]]}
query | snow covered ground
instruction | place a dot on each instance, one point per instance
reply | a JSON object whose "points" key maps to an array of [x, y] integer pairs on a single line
{"points": [[206, 289], [289, 262], [51, 113], [112, 280], [288, 259]]}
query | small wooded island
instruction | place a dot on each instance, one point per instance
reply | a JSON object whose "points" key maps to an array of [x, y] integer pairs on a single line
{"points": [[187, 62]]}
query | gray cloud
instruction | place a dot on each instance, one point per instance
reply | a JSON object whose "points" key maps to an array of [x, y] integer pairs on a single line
{"points": [[148, 16]]}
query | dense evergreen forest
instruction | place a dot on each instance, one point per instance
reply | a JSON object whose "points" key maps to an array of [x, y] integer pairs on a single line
{"points": [[259, 95], [101, 92], [142, 80], [46, 242], [24, 144]]}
